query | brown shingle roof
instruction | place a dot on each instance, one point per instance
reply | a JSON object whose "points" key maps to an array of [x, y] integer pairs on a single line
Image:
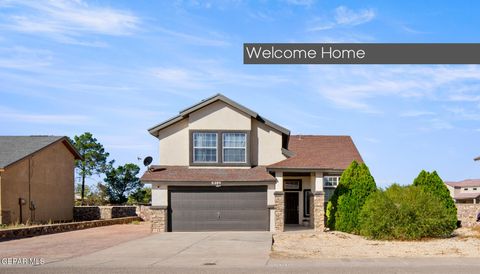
{"points": [[320, 152], [186, 174], [465, 183]]}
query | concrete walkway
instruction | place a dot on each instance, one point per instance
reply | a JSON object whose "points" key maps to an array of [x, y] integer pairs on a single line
{"points": [[182, 249]]}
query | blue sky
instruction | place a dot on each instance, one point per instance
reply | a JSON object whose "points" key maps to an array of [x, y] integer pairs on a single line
{"points": [[115, 68]]}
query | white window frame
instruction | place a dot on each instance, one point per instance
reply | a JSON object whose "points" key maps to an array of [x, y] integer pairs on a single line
{"points": [[224, 147], [194, 147], [325, 180]]}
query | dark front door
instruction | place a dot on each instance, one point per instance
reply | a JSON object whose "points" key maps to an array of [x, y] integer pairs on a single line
{"points": [[207, 208], [291, 207]]}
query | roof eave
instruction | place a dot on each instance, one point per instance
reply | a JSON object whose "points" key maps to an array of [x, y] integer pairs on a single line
{"points": [[305, 169], [186, 112]]}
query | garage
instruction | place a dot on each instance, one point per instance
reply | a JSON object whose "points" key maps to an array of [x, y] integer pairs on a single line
{"points": [[225, 208]]}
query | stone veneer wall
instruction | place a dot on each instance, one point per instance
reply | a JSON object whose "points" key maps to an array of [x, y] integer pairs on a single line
{"points": [[279, 211], [143, 212], [15, 233], [312, 210], [88, 213], [158, 218], [319, 211], [467, 213]]}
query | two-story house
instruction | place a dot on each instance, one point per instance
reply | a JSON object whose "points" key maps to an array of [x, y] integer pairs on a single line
{"points": [[466, 191], [225, 167]]}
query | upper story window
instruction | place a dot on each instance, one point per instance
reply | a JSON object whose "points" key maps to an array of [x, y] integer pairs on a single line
{"points": [[234, 147], [331, 181], [205, 147]]}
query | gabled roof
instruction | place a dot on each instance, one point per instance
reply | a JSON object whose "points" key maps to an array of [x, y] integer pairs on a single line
{"points": [[15, 148], [219, 97], [319, 152], [465, 183], [187, 174]]}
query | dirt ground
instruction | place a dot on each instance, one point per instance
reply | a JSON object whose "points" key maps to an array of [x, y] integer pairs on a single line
{"points": [[60, 246], [464, 243]]}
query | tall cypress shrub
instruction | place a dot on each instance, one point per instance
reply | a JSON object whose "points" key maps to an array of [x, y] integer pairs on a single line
{"points": [[356, 184], [432, 183]]}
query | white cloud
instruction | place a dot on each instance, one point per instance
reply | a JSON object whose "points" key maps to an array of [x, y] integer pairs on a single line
{"points": [[343, 16], [416, 113], [66, 20], [346, 16], [209, 75], [65, 119], [194, 39], [24, 58], [301, 2], [355, 87]]}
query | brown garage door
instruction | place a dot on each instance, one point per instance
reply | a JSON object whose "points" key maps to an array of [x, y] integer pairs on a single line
{"points": [[218, 208]]}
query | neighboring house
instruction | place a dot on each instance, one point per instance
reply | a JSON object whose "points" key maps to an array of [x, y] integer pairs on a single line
{"points": [[466, 191], [224, 167], [36, 178]]}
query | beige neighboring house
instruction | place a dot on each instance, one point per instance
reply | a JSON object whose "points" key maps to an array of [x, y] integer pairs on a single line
{"points": [[223, 166], [36, 178], [466, 191]]}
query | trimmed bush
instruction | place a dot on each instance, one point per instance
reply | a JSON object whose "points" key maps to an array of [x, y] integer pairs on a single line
{"points": [[432, 183], [405, 213], [343, 208]]}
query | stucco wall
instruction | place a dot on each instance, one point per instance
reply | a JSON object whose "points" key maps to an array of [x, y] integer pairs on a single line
{"points": [[265, 146], [174, 144], [51, 185], [219, 115]]}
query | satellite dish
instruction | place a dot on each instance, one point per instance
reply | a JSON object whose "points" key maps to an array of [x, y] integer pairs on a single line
{"points": [[148, 160]]}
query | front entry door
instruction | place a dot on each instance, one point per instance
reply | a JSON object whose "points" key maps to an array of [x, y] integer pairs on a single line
{"points": [[291, 207]]}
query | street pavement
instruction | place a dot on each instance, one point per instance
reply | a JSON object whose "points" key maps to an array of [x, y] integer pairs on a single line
{"points": [[209, 252]]}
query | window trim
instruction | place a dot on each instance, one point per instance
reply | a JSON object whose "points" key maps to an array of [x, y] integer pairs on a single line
{"points": [[219, 162], [223, 148], [332, 186], [193, 149]]}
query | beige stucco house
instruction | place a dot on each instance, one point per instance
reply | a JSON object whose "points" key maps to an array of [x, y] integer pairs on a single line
{"points": [[36, 178], [223, 166], [465, 192]]}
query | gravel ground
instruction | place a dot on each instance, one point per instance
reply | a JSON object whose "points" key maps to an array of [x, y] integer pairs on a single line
{"points": [[464, 243]]}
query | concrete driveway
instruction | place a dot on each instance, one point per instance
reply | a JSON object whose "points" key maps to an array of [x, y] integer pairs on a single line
{"points": [[182, 249]]}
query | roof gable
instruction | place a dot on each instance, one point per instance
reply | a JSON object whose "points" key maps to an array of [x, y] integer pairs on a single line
{"points": [[15, 148], [219, 97]]}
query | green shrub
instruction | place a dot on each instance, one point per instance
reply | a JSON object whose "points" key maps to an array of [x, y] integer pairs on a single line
{"points": [[356, 184], [432, 183], [404, 213]]}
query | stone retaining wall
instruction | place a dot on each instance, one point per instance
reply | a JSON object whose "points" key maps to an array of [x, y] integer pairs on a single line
{"points": [[144, 212], [23, 232], [467, 214], [88, 213]]}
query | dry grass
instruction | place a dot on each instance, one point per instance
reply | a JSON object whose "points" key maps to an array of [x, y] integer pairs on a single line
{"points": [[464, 243]]}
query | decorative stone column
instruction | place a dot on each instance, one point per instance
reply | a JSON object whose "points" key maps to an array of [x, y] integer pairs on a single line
{"points": [[279, 211], [312, 210], [158, 218], [318, 211]]}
